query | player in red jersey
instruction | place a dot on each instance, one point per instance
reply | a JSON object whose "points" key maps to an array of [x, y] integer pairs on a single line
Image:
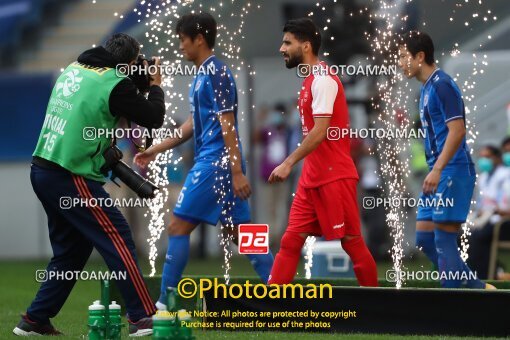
{"points": [[325, 203]]}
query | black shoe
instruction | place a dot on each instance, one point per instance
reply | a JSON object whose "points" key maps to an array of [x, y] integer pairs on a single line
{"points": [[142, 327], [27, 327]]}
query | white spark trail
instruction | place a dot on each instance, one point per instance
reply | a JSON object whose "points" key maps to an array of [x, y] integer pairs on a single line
{"points": [[160, 19], [394, 93], [309, 243]]}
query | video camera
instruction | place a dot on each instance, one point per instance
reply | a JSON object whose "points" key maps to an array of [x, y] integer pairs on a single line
{"points": [[142, 78], [113, 162]]}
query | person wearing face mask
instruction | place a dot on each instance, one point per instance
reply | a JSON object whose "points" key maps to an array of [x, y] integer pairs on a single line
{"points": [[504, 210], [493, 174], [505, 149], [493, 203]]}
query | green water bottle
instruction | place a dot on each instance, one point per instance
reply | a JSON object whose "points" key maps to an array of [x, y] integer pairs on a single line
{"points": [[115, 325], [184, 332], [171, 299], [163, 326], [97, 324], [177, 330]]}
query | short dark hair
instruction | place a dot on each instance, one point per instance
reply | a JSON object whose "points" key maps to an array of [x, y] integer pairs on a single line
{"points": [[124, 48], [505, 141], [192, 25], [495, 151], [416, 41], [304, 29]]}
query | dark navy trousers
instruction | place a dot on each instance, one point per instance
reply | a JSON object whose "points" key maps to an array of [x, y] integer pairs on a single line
{"points": [[74, 232]]}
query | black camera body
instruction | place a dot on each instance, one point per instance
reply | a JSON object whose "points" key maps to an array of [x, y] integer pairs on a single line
{"points": [[142, 78], [137, 183]]}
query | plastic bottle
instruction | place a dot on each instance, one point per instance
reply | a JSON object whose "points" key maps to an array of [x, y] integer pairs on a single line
{"points": [[185, 333], [163, 326], [115, 321], [97, 324], [171, 295]]}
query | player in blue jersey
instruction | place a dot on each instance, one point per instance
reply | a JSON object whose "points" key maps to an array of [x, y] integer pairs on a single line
{"points": [[216, 189], [448, 188]]}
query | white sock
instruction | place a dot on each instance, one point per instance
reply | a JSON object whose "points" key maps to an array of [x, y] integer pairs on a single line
{"points": [[160, 306]]}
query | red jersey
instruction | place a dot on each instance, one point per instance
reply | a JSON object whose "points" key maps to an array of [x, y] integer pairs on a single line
{"points": [[322, 95]]}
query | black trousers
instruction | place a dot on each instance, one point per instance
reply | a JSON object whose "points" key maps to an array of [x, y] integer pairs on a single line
{"points": [[74, 231]]}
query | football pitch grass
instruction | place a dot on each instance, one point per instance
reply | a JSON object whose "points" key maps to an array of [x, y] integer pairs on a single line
{"points": [[18, 287]]}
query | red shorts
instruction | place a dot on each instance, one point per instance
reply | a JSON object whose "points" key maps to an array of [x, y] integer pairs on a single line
{"points": [[330, 210]]}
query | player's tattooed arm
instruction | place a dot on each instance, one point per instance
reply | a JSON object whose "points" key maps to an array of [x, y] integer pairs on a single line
{"points": [[456, 134], [240, 183], [310, 143], [144, 158]]}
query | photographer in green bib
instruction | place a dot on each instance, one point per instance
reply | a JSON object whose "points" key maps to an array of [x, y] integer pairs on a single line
{"points": [[68, 173]]}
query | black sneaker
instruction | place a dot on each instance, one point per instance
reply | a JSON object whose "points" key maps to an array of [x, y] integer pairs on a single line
{"points": [[142, 327], [27, 327]]}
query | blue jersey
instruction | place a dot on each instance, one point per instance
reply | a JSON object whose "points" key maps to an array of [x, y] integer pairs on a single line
{"points": [[212, 94], [441, 102]]}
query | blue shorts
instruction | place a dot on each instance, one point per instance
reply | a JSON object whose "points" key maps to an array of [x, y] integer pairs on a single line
{"points": [[207, 196], [451, 202]]}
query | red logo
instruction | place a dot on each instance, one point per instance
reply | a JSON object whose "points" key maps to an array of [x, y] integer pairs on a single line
{"points": [[253, 239]]}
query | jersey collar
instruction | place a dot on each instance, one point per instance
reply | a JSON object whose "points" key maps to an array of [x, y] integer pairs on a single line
{"points": [[430, 77], [207, 60]]}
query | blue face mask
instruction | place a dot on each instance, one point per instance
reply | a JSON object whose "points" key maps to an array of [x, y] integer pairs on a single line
{"points": [[506, 158], [485, 164]]}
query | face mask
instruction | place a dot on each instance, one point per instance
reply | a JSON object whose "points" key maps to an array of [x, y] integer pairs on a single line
{"points": [[506, 158], [485, 164]]}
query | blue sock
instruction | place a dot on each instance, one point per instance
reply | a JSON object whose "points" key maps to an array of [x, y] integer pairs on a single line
{"points": [[450, 262], [425, 241], [472, 282], [262, 263], [176, 258]]}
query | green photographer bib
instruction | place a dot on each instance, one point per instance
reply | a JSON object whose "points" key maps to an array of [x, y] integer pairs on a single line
{"points": [[77, 114]]}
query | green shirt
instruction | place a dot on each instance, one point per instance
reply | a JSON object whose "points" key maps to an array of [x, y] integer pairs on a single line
{"points": [[78, 108]]}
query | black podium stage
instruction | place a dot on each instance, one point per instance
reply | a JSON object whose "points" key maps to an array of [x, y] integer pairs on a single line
{"points": [[411, 311], [420, 308]]}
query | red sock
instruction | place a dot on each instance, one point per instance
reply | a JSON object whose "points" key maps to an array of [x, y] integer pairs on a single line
{"points": [[287, 259], [364, 264]]}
